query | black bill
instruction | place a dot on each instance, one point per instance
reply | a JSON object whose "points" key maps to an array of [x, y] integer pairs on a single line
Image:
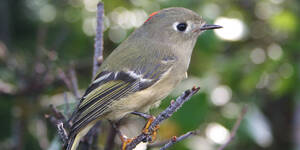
{"points": [[210, 26]]}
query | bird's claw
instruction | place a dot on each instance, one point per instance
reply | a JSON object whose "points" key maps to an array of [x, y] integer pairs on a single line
{"points": [[153, 132], [125, 142]]}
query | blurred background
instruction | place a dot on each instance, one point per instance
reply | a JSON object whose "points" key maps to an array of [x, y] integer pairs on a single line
{"points": [[253, 60]]}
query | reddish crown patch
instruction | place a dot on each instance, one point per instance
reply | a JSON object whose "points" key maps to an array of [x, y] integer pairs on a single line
{"points": [[151, 15]]}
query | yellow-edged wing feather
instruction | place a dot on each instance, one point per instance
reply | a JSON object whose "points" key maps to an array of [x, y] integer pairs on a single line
{"points": [[111, 86]]}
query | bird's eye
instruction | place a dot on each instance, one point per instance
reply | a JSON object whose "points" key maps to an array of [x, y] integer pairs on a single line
{"points": [[181, 27]]}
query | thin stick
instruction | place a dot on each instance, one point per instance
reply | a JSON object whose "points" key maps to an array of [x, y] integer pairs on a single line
{"points": [[62, 75], [62, 132], [157, 144], [67, 105], [98, 53], [175, 139], [89, 141], [98, 58], [57, 114], [235, 128], [70, 80], [74, 82], [110, 142], [174, 106], [58, 120]]}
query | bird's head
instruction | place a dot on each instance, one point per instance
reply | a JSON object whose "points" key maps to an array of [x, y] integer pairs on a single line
{"points": [[174, 25]]}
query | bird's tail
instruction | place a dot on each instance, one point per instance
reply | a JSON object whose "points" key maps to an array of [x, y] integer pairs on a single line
{"points": [[73, 142], [74, 139]]}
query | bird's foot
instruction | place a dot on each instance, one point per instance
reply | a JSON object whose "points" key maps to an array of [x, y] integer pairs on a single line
{"points": [[152, 132], [125, 141]]}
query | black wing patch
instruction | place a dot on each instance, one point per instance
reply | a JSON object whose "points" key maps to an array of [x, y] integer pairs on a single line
{"points": [[109, 87]]}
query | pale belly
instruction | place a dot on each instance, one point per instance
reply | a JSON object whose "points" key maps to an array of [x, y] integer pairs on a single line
{"points": [[142, 101]]}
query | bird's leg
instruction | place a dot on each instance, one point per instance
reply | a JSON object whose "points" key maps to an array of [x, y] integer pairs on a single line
{"points": [[144, 115], [150, 119], [125, 140]]}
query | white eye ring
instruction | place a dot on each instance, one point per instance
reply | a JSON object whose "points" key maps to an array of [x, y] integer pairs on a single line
{"points": [[188, 27]]}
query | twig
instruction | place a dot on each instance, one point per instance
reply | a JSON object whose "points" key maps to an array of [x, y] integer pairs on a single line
{"points": [[98, 53], [72, 85], [58, 119], [92, 136], [174, 106], [57, 114], [62, 132], [110, 142], [67, 105], [235, 128], [98, 58], [62, 75], [74, 82], [146, 116], [175, 139], [157, 144], [70, 80]]}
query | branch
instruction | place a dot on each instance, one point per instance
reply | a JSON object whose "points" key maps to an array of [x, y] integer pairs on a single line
{"points": [[98, 53], [174, 106], [58, 120], [98, 58], [88, 141], [58, 114], [70, 80], [62, 132], [175, 139], [110, 142], [157, 144], [67, 105], [74, 82], [62, 75], [235, 127]]}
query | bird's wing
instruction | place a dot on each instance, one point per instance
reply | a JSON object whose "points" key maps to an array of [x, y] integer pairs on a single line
{"points": [[110, 86]]}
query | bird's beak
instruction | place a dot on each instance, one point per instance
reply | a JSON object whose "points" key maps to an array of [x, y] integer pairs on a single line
{"points": [[209, 27]]}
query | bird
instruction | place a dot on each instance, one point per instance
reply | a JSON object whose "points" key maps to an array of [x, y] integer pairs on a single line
{"points": [[141, 71]]}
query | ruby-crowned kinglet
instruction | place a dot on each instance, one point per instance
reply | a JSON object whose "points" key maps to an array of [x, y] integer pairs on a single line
{"points": [[141, 71]]}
